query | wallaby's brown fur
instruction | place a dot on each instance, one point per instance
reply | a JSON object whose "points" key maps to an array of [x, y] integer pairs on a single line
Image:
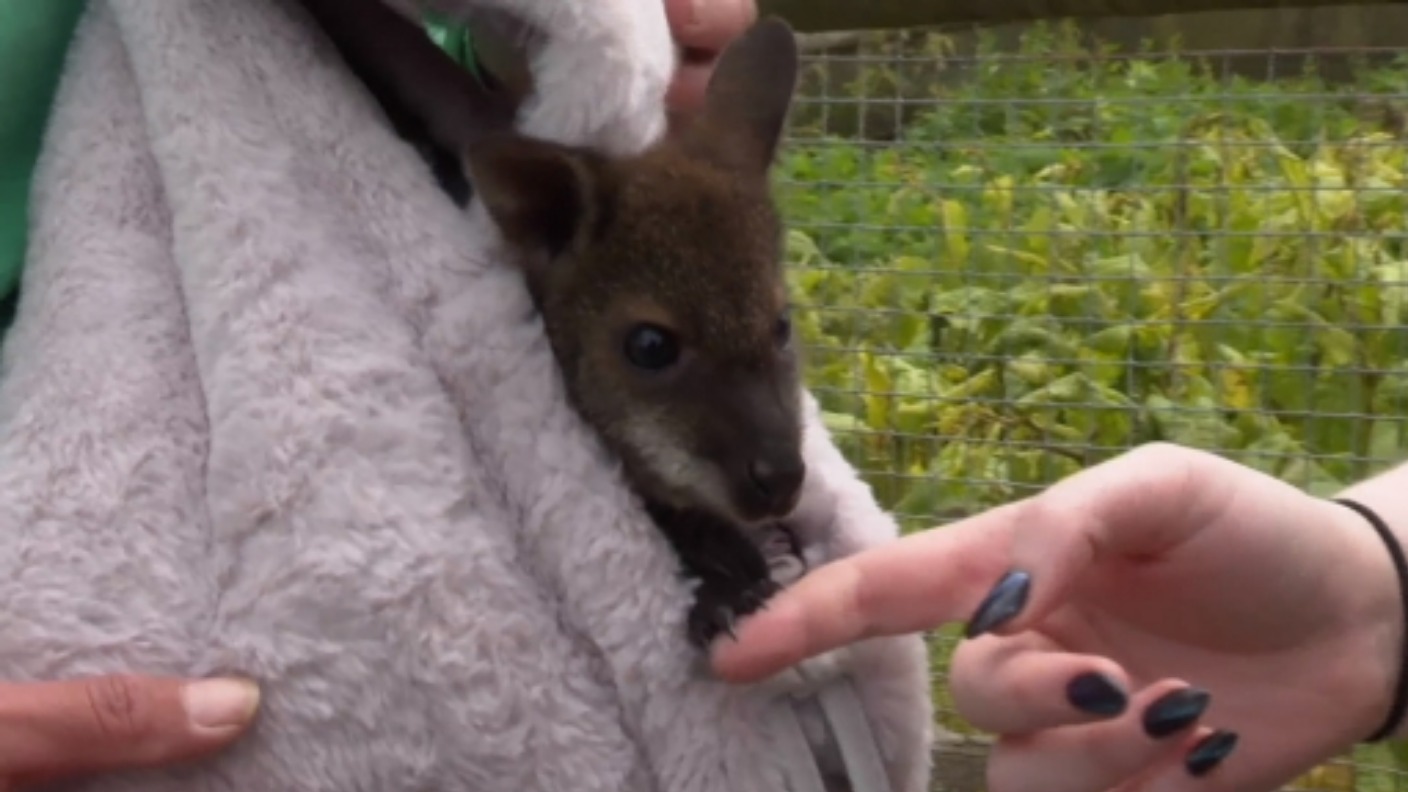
{"points": [[660, 284], [693, 249]]}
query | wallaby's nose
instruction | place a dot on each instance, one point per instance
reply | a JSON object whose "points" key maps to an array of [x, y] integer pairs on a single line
{"points": [[778, 480]]}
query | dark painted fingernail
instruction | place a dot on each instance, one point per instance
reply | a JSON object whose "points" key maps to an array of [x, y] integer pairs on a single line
{"points": [[1005, 601], [1174, 712], [1097, 694], [1209, 752]]}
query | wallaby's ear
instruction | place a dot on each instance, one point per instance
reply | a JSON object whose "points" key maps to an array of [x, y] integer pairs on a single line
{"points": [[540, 194], [749, 95]]}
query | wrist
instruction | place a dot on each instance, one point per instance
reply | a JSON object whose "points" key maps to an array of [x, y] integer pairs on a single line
{"points": [[1375, 615]]}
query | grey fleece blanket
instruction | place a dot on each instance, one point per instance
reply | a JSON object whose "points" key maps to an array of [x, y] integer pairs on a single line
{"points": [[270, 407]]}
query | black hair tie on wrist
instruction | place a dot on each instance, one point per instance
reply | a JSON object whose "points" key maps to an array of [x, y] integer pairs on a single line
{"points": [[1400, 565]]}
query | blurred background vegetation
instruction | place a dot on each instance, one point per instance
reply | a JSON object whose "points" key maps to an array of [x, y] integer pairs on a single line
{"points": [[1020, 250]]}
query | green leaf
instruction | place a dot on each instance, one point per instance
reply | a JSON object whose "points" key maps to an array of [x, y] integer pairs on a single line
{"points": [[1391, 291], [955, 217]]}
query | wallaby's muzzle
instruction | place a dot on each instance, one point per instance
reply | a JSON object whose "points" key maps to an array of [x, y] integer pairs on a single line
{"points": [[774, 484]]}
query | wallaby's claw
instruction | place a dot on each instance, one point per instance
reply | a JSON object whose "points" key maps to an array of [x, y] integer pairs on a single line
{"points": [[729, 625], [719, 604]]}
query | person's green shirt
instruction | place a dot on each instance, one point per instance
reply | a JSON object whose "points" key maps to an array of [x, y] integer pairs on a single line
{"points": [[34, 38]]}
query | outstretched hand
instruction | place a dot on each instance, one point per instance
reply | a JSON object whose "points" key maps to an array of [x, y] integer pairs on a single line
{"points": [[1151, 614], [61, 730]]}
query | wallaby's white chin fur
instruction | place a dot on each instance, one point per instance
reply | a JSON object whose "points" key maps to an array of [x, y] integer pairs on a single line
{"points": [[686, 479]]}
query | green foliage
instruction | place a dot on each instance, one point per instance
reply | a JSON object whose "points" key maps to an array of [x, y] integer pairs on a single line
{"points": [[1074, 253]]}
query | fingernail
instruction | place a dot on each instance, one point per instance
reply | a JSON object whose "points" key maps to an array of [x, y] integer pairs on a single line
{"points": [[1174, 712], [220, 703], [1005, 600], [1097, 694], [1209, 752]]}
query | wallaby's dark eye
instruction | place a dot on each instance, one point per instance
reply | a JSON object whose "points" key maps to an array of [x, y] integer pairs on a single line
{"points": [[651, 347], [782, 331]]}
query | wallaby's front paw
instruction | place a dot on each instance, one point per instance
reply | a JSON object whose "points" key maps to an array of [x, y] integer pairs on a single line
{"points": [[719, 605], [783, 554]]}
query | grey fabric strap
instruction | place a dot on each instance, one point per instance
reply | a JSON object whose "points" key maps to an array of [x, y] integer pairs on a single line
{"points": [[850, 730], [803, 775]]}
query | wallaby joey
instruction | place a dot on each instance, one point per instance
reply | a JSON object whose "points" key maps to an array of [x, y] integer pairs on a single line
{"points": [[660, 283]]}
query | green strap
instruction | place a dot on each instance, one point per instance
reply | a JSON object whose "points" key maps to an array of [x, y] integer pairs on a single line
{"points": [[454, 38], [34, 37]]}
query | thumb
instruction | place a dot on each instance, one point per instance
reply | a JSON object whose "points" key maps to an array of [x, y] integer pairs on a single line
{"points": [[75, 727]]}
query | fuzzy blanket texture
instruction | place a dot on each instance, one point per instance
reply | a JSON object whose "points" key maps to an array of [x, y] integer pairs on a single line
{"points": [[271, 406]]}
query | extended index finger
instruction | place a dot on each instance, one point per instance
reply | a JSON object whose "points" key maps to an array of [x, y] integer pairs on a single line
{"points": [[916, 583], [1139, 504]]}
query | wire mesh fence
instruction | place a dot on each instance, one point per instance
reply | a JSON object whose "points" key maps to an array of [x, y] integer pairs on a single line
{"points": [[1014, 263]]}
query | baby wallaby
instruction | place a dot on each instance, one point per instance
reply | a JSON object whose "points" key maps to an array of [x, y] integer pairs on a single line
{"points": [[660, 284]]}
